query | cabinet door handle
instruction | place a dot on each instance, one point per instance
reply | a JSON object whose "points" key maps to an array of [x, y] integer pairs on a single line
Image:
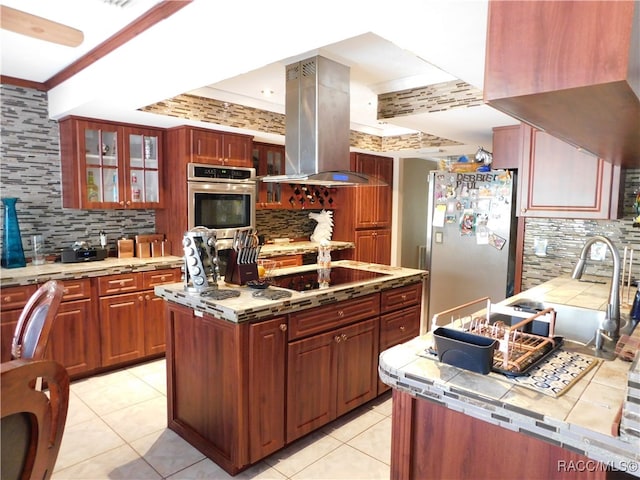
{"points": [[128, 202], [283, 327], [344, 337], [337, 339], [147, 297], [141, 298], [198, 147]]}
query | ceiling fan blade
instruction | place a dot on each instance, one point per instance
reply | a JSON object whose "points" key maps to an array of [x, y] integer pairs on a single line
{"points": [[33, 26]]}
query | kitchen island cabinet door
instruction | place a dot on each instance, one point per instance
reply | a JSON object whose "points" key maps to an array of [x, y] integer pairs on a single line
{"points": [[311, 384], [121, 328], [267, 367], [356, 375], [330, 374]]}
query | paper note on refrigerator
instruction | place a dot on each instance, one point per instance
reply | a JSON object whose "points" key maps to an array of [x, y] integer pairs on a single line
{"points": [[438, 215]]}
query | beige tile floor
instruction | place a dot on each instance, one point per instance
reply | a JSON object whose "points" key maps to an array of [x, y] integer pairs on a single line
{"points": [[117, 429]]}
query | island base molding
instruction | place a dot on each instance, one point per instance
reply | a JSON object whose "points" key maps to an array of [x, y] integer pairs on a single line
{"points": [[431, 441]]}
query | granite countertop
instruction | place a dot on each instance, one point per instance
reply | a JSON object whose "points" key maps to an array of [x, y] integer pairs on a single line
{"points": [[68, 271], [247, 307], [299, 247], [581, 419]]}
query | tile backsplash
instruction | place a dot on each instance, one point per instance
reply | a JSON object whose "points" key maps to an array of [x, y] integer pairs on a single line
{"points": [[565, 238], [30, 170]]}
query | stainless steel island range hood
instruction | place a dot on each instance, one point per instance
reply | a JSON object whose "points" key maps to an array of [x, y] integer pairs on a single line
{"points": [[317, 126]]}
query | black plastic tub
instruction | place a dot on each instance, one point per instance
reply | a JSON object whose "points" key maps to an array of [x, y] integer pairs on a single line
{"points": [[465, 350]]}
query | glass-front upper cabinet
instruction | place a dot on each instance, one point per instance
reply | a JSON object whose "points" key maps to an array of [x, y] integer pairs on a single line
{"points": [[269, 159], [107, 165], [144, 176]]}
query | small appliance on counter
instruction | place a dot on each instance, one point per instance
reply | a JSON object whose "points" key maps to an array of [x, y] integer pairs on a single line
{"points": [[82, 252], [200, 260]]}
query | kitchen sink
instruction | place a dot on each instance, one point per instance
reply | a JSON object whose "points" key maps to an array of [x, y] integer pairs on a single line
{"points": [[577, 325]]}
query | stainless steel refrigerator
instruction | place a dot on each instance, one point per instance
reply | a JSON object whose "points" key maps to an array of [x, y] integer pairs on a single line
{"points": [[471, 231]]}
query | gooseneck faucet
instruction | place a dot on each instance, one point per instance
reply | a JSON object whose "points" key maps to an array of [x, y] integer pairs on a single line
{"points": [[611, 324]]}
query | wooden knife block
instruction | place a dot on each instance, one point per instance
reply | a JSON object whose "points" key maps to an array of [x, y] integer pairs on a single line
{"points": [[240, 274]]}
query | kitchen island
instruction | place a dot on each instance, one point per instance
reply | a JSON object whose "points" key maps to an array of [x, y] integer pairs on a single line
{"points": [[250, 374], [454, 423]]}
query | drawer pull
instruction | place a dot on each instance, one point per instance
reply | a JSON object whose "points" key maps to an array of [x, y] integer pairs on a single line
{"points": [[340, 313], [283, 327], [66, 291], [402, 328], [7, 299], [403, 297]]}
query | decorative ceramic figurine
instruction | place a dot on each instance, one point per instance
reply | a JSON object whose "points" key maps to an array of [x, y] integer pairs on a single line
{"points": [[324, 229]]}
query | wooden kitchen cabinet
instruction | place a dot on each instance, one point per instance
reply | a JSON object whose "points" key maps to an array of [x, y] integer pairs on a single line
{"points": [[74, 340], [12, 301], [267, 386], [330, 374], [131, 316], [507, 147], [557, 180], [331, 362], [106, 165], [269, 159], [400, 311], [154, 322], [286, 260], [373, 203], [373, 246], [220, 148], [578, 82], [364, 212]]}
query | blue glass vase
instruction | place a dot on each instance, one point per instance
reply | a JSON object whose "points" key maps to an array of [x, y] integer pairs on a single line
{"points": [[12, 252]]}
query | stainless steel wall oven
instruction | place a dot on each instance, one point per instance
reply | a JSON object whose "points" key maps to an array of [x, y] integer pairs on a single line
{"points": [[223, 199]]}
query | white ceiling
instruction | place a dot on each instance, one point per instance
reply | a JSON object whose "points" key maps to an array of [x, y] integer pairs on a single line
{"points": [[232, 51]]}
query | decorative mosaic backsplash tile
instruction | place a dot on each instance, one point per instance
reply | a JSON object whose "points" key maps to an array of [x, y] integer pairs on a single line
{"points": [[30, 171], [429, 99], [204, 109], [566, 237]]}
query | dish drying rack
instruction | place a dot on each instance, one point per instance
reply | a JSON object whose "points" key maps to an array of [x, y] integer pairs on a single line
{"points": [[517, 351]]}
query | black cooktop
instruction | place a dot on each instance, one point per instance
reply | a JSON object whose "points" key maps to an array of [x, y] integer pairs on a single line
{"points": [[305, 281]]}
